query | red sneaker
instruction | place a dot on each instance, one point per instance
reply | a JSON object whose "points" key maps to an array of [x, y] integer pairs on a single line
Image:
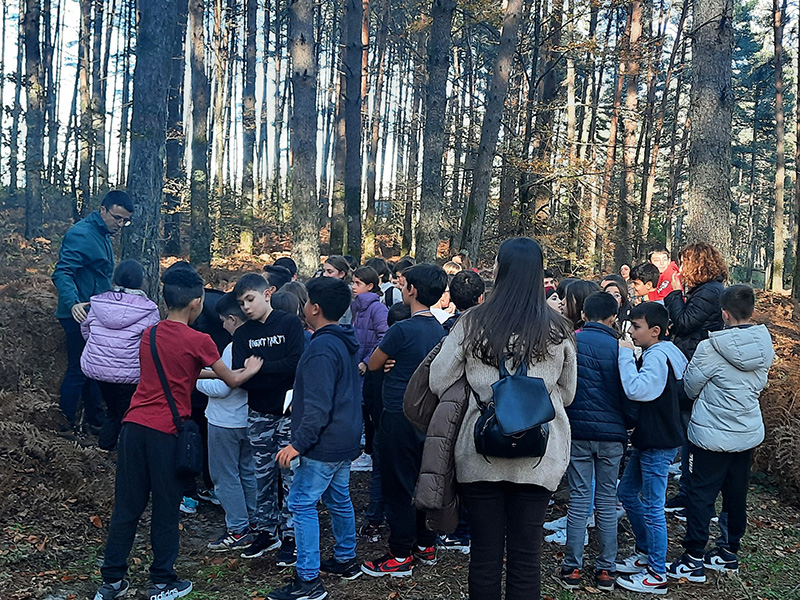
{"points": [[427, 556], [389, 565]]}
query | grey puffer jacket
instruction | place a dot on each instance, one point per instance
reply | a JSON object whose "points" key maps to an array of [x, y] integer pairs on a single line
{"points": [[726, 376]]}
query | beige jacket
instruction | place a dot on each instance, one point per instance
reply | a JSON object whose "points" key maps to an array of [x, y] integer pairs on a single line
{"points": [[559, 372]]}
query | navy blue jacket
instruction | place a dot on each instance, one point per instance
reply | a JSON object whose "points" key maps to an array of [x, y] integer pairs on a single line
{"points": [[326, 404], [596, 413]]}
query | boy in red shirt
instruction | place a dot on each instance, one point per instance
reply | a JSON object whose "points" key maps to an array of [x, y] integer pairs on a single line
{"points": [[667, 269], [148, 440]]}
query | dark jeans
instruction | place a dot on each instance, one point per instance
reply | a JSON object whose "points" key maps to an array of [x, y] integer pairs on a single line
{"points": [[710, 474], [401, 457], [146, 465], [510, 526], [76, 384], [117, 397]]}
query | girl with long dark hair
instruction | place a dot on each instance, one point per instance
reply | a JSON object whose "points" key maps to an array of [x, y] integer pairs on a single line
{"points": [[514, 325]]}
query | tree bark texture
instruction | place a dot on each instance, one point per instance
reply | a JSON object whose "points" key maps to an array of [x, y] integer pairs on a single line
{"points": [[498, 89], [157, 24], [779, 230], [303, 136], [711, 110], [34, 120], [352, 61], [85, 136], [433, 137], [248, 128], [200, 240]]}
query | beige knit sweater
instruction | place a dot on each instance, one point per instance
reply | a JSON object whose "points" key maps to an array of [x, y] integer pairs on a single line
{"points": [[559, 372]]}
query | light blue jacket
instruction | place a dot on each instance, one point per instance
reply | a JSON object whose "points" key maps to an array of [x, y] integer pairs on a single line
{"points": [[726, 376]]}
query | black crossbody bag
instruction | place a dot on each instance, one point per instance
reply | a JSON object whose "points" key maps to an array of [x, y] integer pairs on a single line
{"points": [[189, 453]]}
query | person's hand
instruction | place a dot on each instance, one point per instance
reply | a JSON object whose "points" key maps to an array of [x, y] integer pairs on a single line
{"points": [[252, 364], [676, 282], [285, 456], [79, 311], [626, 344], [362, 367], [389, 365]]}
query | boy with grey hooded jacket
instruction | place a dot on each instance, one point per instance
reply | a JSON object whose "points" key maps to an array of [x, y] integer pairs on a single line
{"points": [[724, 378]]}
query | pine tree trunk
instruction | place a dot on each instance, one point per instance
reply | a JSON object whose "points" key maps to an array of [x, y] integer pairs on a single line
{"points": [[34, 120], [200, 240], [711, 111], [248, 128], [779, 231], [433, 138], [496, 97], [98, 109], [375, 123], [339, 158], [16, 111], [85, 129], [126, 90], [632, 53], [157, 26], [303, 136], [608, 171], [796, 274], [412, 172], [352, 63], [175, 182]]}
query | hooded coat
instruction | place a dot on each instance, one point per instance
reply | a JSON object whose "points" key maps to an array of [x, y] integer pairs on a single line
{"points": [[326, 403], [113, 332], [726, 376], [370, 321]]}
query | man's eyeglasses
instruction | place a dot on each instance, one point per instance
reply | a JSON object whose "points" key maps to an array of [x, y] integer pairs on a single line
{"points": [[125, 221]]}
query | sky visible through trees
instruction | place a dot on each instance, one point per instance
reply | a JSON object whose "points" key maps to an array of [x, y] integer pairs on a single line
{"points": [[600, 128]]}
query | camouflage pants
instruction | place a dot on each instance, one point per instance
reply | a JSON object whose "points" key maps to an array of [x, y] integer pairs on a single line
{"points": [[268, 434]]}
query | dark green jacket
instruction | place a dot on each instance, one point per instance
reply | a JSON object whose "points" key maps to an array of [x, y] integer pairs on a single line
{"points": [[85, 264]]}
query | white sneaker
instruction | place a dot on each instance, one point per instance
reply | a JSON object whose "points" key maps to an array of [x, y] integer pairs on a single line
{"points": [[675, 468], [635, 563], [645, 582], [362, 463], [556, 524], [560, 538]]}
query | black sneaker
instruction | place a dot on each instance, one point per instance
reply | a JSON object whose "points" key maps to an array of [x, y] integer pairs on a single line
{"points": [[110, 591], [680, 514], [568, 577], [370, 531], [605, 580], [300, 590], [721, 559], [169, 591], [263, 543], [677, 502], [687, 567], [287, 555], [349, 569]]}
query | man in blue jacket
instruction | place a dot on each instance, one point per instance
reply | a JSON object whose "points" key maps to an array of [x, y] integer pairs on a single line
{"points": [[84, 269], [326, 435]]}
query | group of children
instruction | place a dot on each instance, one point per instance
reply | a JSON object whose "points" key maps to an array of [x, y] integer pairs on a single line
{"points": [[291, 394]]}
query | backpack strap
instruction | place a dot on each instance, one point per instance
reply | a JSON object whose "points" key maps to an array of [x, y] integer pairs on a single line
{"points": [[176, 418]]}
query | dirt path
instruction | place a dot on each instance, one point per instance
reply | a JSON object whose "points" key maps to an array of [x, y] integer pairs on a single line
{"points": [[40, 563]]}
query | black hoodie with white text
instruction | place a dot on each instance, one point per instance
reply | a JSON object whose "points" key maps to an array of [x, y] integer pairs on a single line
{"points": [[279, 341]]}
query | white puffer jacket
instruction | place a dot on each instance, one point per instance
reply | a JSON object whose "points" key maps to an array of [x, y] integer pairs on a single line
{"points": [[726, 376]]}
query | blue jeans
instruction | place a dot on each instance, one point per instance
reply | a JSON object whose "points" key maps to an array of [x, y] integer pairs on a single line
{"points": [[592, 475], [642, 491], [76, 384], [313, 480], [233, 471]]}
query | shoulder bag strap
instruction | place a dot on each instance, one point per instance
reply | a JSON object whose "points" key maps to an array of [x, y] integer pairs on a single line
{"points": [[176, 418]]}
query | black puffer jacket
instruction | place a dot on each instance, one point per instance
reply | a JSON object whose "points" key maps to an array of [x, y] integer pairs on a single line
{"points": [[692, 317]]}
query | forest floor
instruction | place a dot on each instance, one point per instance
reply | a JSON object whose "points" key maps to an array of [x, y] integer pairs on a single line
{"points": [[57, 494]]}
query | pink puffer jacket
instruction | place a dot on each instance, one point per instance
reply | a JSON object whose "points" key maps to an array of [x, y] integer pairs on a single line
{"points": [[113, 330]]}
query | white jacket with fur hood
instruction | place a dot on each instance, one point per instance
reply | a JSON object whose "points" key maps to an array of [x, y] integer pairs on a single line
{"points": [[725, 378]]}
